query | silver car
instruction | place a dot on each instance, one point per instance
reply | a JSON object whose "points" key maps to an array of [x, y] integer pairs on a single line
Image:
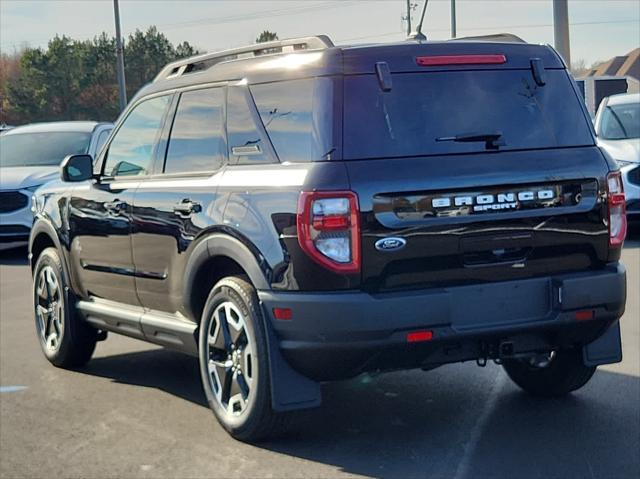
{"points": [[30, 156], [617, 125]]}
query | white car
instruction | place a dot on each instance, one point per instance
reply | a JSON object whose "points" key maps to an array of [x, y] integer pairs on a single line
{"points": [[30, 156], [617, 125]]}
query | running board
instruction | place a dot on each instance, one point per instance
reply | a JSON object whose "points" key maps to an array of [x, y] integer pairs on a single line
{"points": [[171, 330]]}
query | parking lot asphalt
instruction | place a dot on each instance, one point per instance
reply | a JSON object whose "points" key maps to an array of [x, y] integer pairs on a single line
{"points": [[138, 411]]}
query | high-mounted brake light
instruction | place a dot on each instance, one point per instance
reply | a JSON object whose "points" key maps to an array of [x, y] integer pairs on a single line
{"points": [[439, 60], [617, 209], [329, 229]]}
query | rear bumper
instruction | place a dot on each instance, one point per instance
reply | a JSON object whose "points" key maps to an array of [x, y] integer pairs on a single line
{"points": [[340, 334]]}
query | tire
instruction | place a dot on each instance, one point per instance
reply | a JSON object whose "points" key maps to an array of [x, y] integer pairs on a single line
{"points": [[561, 374], [66, 340], [234, 364]]}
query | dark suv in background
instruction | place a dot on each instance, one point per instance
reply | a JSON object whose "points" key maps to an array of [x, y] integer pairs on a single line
{"points": [[298, 212]]}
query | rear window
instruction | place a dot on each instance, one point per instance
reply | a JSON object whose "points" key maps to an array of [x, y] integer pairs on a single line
{"points": [[424, 112]]}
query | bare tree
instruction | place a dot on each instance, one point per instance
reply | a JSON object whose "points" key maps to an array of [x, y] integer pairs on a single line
{"points": [[579, 67]]}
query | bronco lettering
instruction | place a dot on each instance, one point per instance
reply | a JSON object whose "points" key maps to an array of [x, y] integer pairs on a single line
{"points": [[487, 202]]}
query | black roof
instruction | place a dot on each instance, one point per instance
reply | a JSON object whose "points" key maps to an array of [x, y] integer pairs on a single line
{"points": [[317, 56]]}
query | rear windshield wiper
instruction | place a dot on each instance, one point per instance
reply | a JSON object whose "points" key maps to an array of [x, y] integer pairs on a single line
{"points": [[492, 140]]}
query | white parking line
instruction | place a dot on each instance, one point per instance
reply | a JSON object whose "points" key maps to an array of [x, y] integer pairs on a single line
{"points": [[476, 433], [12, 389]]}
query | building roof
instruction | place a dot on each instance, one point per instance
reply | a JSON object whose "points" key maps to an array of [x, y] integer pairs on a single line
{"points": [[624, 65]]}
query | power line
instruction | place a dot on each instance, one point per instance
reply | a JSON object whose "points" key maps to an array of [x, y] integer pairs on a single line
{"points": [[294, 11], [386, 34], [282, 12], [257, 15]]}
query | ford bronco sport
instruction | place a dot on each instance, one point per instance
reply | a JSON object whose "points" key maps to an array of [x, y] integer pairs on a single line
{"points": [[298, 212]]}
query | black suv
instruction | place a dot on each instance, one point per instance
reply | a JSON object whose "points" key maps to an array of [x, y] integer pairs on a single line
{"points": [[298, 212]]}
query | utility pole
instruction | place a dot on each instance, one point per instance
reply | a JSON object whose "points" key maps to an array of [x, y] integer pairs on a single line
{"points": [[120, 59], [561, 29], [418, 35], [453, 19], [408, 17]]}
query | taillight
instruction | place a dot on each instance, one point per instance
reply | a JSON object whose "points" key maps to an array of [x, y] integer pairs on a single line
{"points": [[617, 209], [329, 229]]}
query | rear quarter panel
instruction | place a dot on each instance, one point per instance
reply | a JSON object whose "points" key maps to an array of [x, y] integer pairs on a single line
{"points": [[261, 207]]}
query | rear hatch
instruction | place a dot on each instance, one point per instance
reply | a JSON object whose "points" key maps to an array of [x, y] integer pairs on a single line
{"points": [[473, 162]]}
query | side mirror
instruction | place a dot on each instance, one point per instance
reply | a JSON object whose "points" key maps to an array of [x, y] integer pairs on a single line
{"points": [[76, 168]]}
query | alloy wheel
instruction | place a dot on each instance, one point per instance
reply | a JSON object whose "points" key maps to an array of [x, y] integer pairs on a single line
{"points": [[230, 359], [49, 308]]}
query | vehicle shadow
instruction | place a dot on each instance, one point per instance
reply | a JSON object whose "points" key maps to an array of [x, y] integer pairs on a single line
{"points": [[456, 421], [14, 257], [172, 372]]}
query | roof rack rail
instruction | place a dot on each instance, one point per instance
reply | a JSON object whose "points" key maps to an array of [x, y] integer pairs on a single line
{"points": [[206, 60]]}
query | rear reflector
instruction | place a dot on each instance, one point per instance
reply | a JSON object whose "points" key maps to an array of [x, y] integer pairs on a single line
{"points": [[284, 314], [584, 315], [419, 336], [439, 60]]}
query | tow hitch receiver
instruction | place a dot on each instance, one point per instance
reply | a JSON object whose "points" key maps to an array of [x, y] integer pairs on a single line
{"points": [[495, 351]]}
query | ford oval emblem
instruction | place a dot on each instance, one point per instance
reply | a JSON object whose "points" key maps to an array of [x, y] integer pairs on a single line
{"points": [[390, 244]]}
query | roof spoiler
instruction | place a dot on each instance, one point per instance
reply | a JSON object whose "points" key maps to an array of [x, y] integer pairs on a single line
{"points": [[206, 60]]}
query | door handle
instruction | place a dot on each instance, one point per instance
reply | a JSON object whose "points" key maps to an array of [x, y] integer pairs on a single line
{"points": [[115, 206], [187, 207]]}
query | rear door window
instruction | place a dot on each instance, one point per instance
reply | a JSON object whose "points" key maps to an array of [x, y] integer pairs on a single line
{"points": [[196, 143], [424, 111]]}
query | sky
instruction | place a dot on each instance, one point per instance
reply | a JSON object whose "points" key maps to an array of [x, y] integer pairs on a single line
{"points": [[599, 29]]}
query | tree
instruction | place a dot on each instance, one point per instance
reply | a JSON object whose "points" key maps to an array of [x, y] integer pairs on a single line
{"points": [[99, 86], [9, 71], [76, 80], [145, 53], [184, 50], [27, 95], [579, 67], [266, 36]]}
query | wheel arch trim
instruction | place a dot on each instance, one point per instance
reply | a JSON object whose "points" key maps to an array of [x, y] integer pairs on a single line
{"points": [[42, 227], [220, 245]]}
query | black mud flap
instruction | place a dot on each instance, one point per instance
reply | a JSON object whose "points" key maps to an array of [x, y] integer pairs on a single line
{"points": [[606, 349], [290, 390]]}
